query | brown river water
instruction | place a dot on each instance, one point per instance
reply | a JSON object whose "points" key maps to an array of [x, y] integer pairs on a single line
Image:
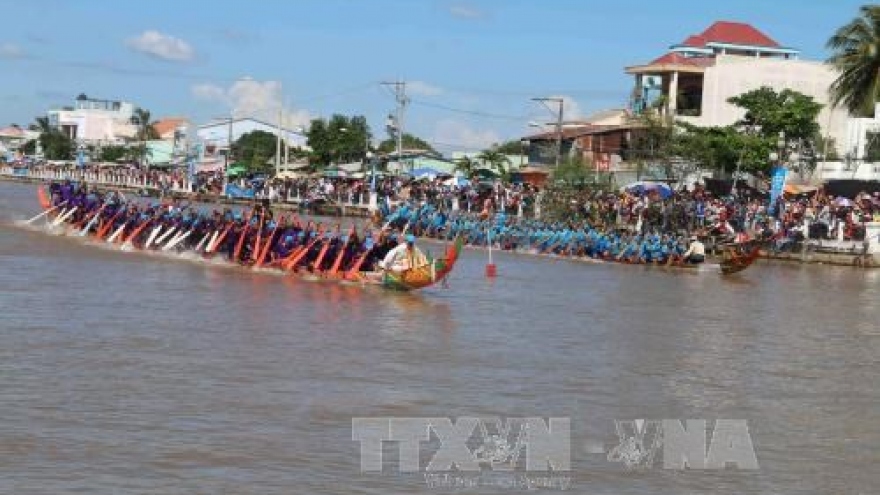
{"points": [[125, 373]]}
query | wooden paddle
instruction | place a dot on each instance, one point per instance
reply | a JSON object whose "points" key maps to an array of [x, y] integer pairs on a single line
{"points": [[343, 246], [140, 228], [262, 255], [240, 244], [106, 227], [298, 254], [324, 249]]}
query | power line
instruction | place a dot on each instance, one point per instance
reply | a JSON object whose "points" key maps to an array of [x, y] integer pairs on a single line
{"points": [[343, 92], [603, 93], [478, 113]]}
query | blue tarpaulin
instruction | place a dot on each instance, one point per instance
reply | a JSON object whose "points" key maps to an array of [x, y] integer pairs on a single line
{"points": [[233, 191]]}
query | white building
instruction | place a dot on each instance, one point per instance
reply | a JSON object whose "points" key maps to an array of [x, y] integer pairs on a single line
{"points": [[860, 151], [696, 77], [95, 121], [216, 135]]}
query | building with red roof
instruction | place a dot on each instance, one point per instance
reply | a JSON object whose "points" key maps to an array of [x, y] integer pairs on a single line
{"points": [[694, 79]]}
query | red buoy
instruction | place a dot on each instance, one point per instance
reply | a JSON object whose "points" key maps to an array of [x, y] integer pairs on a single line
{"points": [[491, 270]]}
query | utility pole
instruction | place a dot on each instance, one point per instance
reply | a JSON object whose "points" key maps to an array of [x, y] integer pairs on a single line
{"points": [[402, 102], [228, 144], [278, 142], [560, 102]]}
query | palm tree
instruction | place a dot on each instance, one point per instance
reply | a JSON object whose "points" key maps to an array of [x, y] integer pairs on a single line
{"points": [[466, 165], [145, 132], [41, 125], [856, 48], [55, 144], [494, 160], [145, 129]]}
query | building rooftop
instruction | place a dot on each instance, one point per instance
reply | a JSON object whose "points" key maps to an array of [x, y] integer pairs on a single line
{"points": [[168, 125], [733, 33], [698, 51], [673, 58], [573, 132]]}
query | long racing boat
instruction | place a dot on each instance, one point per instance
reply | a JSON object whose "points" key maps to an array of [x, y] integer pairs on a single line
{"points": [[254, 240]]}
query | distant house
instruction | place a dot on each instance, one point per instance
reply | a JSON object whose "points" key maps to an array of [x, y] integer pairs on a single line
{"points": [[513, 161], [12, 138], [417, 159], [216, 135], [95, 121], [171, 128]]}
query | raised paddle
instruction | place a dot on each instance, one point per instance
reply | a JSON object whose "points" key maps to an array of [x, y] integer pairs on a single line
{"points": [[323, 252], [343, 246], [262, 254], [255, 250], [90, 220], [134, 233], [360, 261], [240, 244], [41, 215], [64, 216], [213, 245], [298, 255], [201, 243], [107, 226]]}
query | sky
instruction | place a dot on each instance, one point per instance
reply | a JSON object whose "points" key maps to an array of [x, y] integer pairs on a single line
{"points": [[471, 66]]}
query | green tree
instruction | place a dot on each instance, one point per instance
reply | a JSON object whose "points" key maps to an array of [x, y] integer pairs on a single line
{"points": [[145, 129], [56, 145], [770, 115], [466, 165], [409, 142], [145, 132], [339, 139], [787, 111], [112, 153], [653, 141], [856, 56], [724, 149], [514, 147], [572, 172], [494, 160], [254, 149], [30, 147]]}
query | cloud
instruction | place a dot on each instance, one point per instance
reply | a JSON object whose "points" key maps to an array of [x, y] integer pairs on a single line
{"points": [[465, 11], [11, 50], [421, 88], [162, 46], [571, 110], [208, 92], [453, 134], [251, 98]]}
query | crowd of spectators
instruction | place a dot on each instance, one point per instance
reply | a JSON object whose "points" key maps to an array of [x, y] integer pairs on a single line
{"points": [[692, 209]]}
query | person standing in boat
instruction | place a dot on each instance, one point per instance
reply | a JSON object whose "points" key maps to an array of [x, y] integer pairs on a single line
{"points": [[401, 258], [696, 252]]}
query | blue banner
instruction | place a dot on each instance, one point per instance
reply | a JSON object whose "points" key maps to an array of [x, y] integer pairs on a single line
{"points": [[233, 191], [777, 183], [20, 172]]}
